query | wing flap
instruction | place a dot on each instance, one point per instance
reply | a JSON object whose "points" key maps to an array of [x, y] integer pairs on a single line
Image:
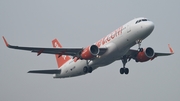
{"points": [[52, 71]]}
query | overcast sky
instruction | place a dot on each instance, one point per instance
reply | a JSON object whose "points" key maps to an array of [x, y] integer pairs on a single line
{"points": [[80, 23]]}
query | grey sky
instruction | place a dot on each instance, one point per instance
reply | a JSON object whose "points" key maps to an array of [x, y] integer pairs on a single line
{"points": [[80, 23]]}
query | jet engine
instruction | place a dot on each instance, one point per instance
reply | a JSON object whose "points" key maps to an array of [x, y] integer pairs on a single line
{"points": [[89, 52], [145, 55]]}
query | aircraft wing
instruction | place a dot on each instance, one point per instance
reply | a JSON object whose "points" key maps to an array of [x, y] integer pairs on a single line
{"points": [[131, 54], [61, 51], [52, 71]]}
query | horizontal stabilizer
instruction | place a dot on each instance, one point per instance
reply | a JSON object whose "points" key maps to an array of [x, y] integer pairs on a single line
{"points": [[52, 71]]}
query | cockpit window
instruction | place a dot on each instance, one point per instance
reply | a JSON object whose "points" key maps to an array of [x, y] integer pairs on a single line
{"points": [[144, 19], [138, 21], [141, 20]]}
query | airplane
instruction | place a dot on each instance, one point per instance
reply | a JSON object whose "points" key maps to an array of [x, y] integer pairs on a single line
{"points": [[115, 46]]}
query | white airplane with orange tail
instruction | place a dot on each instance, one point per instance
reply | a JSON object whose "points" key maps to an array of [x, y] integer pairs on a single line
{"points": [[115, 46]]}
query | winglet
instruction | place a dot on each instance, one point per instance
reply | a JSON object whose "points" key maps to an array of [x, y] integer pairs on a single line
{"points": [[170, 48], [5, 41]]}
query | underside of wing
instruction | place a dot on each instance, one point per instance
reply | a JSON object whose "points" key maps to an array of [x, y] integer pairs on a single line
{"points": [[146, 54], [61, 51], [165, 54]]}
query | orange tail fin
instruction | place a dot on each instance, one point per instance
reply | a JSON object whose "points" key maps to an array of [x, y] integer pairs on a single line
{"points": [[61, 59]]}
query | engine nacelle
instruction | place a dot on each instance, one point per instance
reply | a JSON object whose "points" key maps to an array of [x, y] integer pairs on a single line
{"points": [[145, 55], [89, 52]]}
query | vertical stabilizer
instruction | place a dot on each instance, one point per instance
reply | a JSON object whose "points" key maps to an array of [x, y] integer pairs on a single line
{"points": [[61, 59]]}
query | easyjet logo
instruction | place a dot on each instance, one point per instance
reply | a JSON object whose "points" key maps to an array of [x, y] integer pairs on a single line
{"points": [[109, 37]]}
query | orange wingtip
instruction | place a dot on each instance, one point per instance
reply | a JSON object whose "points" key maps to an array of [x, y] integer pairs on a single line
{"points": [[170, 48], [5, 41]]}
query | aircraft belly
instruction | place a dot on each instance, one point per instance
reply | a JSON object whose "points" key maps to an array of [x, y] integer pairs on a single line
{"points": [[73, 69], [109, 57]]}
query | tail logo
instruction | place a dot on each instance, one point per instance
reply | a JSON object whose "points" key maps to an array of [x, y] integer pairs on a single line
{"points": [[57, 46], [60, 58]]}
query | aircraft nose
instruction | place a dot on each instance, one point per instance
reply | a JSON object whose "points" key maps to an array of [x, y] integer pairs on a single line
{"points": [[149, 26]]}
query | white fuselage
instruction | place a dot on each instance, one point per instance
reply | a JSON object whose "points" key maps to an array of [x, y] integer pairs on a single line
{"points": [[118, 43]]}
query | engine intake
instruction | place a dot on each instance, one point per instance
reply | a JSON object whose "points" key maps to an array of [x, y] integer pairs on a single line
{"points": [[89, 52], [145, 55]]}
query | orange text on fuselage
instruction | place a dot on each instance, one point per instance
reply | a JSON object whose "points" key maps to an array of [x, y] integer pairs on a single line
{"points": [[109, 37]]}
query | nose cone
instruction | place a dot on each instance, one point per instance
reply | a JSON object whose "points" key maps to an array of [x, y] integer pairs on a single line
{"points": [[149, 26]]}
